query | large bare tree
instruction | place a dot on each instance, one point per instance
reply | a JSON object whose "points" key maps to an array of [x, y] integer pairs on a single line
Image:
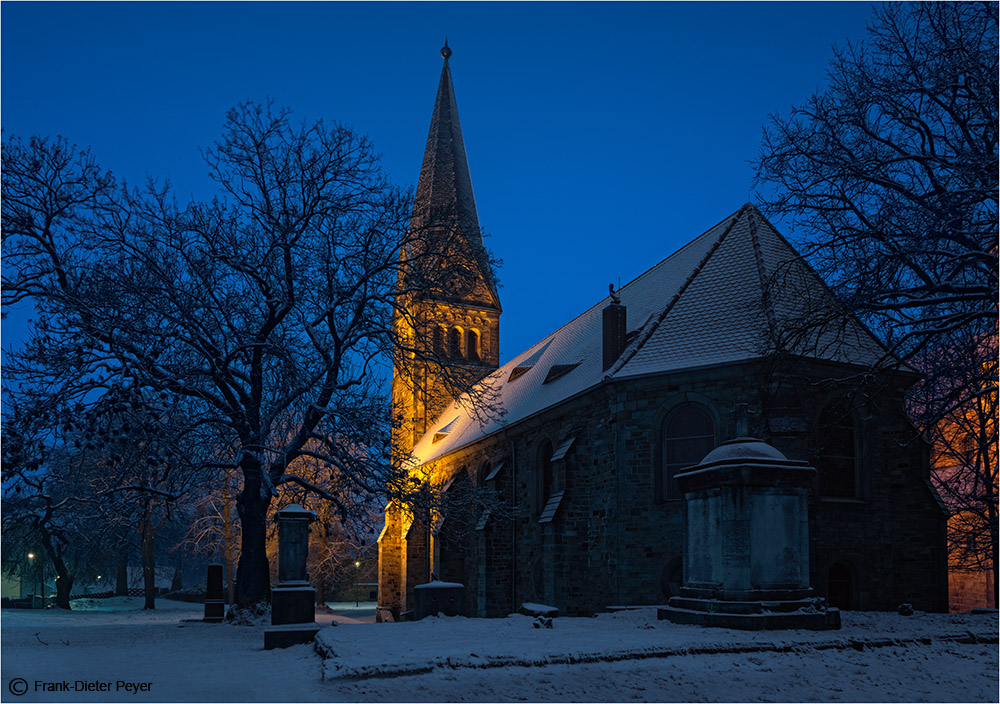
{"points": [[269, 309], [889, 178]]}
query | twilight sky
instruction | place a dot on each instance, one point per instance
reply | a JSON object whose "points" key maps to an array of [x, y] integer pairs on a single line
{"points": [[601, 136]]}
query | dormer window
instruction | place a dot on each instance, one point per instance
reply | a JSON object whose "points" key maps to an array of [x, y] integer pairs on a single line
{"points": [[445, 431], [558, 370], [518, 371]]}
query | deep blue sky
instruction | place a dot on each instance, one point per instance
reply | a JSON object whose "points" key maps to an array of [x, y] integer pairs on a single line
{"points": [[601, 137]]}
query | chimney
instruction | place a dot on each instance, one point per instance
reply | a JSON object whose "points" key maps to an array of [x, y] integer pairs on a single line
{"points": [[614, 330]]}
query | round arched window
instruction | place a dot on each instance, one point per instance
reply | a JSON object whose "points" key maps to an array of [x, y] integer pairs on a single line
{"points": [[472, 351], [836, 459], [455, 342], [688, 435]]}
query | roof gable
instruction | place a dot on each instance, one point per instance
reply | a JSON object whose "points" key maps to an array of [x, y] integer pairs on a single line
{"points": [[708, 303]]}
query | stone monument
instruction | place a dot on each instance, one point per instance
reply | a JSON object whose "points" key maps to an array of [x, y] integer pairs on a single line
{"points": [[746, 542], [215, 601], [293, 617], [437, 597]]}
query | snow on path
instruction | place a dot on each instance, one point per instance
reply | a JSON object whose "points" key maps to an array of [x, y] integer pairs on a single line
{"points": [[450, 642], [193, 661], [931, 673], [184, 662]]}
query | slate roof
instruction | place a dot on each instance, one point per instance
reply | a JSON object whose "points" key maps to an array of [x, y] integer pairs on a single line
{"points": [[704, 305], [444, 191]]}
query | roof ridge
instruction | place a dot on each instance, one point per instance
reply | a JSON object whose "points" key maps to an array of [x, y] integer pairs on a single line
{"points": [[887, 354], [689, 243], [653, 324], [758, 255], [585, 311]]}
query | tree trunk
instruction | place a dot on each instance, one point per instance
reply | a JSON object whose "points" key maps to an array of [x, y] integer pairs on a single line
{"points": [[227, 542], [64, 587], [253, 581], [991, 514], [64, 580], [148, 560], [321, 576], [121, 578]]}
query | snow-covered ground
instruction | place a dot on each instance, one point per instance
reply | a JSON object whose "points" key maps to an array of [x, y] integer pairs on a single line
{"points": [[613, 657]]}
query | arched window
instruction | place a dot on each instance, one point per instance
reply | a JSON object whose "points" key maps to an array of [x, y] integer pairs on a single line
{"points": [[688, 434], [840, 586], [472, 351], [439, 336], [836, 457], [484, 471], [455, 342], [543, 475]]}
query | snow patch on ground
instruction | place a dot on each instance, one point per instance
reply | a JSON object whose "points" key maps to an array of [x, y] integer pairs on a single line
{"points": [[391, 650], [191, 661]]}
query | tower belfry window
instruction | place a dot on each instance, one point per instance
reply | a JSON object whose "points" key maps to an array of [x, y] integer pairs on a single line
{"points": [[472, 351], [455, 343]]}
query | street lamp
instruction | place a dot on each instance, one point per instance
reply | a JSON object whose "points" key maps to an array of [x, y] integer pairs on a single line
{"points": [[357, 585], [34, 578]]}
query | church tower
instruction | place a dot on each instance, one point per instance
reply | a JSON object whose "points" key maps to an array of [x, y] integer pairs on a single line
{"points": [[451, 323]]}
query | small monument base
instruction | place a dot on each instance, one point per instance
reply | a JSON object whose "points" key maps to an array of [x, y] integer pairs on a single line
{"points": [[215, 604], [438, 597], [289, 634], [215, 610], [292, 603], [812, 614]]}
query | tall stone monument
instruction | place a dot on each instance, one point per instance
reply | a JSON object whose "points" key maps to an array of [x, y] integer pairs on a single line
{"points": [[215, 602], [293, 618], [746, 543]]}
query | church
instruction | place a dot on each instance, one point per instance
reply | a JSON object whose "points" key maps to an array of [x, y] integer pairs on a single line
{"points": [[596, 419]]}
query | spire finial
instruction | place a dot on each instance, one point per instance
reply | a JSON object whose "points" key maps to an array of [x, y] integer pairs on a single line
{"points": [[445, 51]]}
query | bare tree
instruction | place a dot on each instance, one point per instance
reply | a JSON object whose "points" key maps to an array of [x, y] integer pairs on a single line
{"points": [[889, 177], [149, 464], [49, 497], [959, 411], [270, 310], [214, 530]]}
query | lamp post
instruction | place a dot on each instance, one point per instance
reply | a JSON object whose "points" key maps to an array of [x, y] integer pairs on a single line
{"points": [[34, 577], [357, 580]]}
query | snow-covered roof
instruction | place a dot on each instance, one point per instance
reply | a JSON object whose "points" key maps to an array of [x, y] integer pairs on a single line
{"points": [[701, 306]]}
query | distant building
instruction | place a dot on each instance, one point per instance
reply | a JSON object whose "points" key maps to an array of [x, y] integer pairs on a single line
{"points": [[602, 413]]}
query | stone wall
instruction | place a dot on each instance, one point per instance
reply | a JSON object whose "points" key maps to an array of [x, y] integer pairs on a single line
{"points": [[970, 589], [614, 539]]}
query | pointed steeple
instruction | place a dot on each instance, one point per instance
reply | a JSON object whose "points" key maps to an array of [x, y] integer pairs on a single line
{"points": [[444, 192]]}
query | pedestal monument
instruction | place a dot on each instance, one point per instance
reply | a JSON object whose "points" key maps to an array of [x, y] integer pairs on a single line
{"points": [[293, 616], [746, 542]]}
